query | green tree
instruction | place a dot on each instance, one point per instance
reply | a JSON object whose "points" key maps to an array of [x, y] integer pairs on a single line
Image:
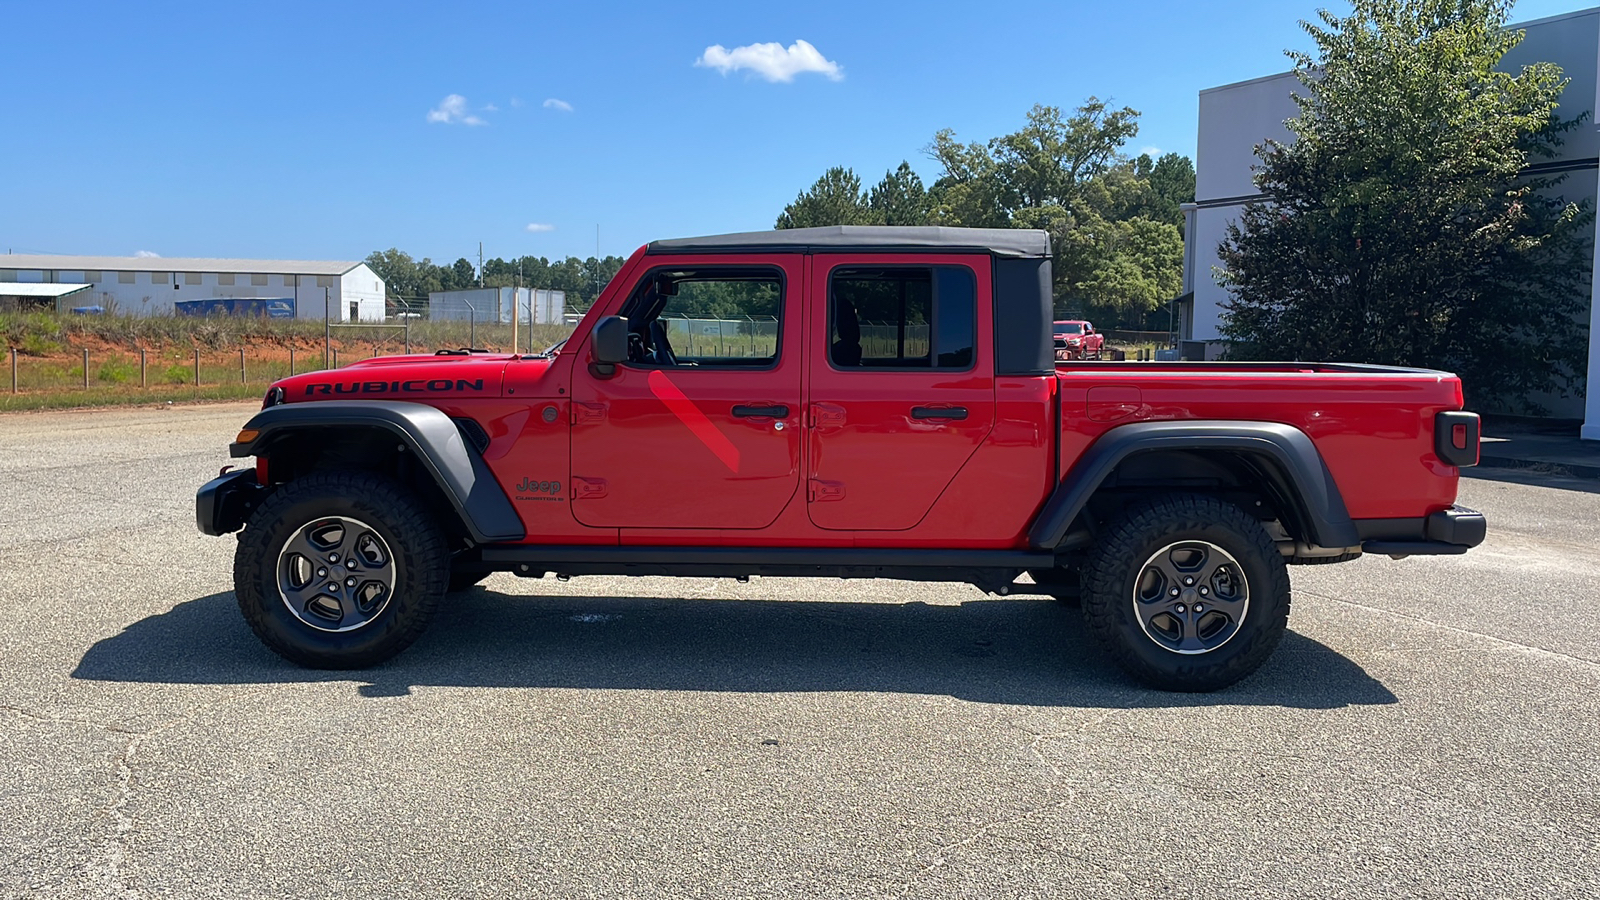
{"points": [[1117, 253], [407, 279], [899, 199], [461, 275], [1171, 179], [835, 199], [1401, 227]]}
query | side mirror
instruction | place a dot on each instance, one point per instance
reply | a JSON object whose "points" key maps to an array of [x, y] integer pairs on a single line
{"points": [[609, 345]]}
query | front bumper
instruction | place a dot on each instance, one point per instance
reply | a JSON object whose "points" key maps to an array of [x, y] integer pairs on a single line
{"points": [[223, 503], [1444, 533]]}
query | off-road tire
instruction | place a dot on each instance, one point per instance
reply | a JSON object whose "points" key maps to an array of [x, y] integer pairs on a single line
{"points": [[1117, 561], [419, 557]]}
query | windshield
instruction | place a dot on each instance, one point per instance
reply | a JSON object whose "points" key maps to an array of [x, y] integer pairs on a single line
{"points": [[1068, 328]]}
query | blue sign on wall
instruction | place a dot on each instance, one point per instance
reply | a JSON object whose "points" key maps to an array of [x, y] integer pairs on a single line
{"points": [[269, 308]]}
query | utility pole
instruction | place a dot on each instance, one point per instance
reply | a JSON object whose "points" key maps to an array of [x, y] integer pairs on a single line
{"points": [[480, 264]]}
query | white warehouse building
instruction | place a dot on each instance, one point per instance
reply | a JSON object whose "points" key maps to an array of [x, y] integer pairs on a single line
{"points": [[1235, 118], [147, 286]]}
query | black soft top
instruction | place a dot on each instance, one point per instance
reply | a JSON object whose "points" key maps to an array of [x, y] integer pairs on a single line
{"points": [[1008, 242]]}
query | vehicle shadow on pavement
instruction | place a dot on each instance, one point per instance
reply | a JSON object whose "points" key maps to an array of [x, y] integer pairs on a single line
{"points": [[1031, 652]]}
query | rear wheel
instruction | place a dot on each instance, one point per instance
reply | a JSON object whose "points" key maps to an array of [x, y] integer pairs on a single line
{"points": [[340, 570], [1187, 592]]}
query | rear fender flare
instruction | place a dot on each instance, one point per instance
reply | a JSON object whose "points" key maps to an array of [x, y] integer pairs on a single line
{"points": [[430, 435], [1283, 449]]}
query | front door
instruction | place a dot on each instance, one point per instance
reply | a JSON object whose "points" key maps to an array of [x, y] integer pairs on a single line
{"points": [[700, 428], [901, 385]]}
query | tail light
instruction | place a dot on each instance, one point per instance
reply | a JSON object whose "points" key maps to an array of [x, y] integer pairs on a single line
{"points": [[1455, 438]]}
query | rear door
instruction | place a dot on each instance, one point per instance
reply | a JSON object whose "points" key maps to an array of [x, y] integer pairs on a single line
{"points": [[700, 429], [901, 384]]}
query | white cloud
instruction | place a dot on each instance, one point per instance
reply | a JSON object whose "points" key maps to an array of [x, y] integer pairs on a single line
{"points": [[146, 254], [537, 227], [771, 61], [562, 105], [453, 109], [1152, 152], [491, 108]]}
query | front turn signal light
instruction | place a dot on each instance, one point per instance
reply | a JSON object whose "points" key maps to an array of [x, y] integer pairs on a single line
{"points": [[246, 436]]}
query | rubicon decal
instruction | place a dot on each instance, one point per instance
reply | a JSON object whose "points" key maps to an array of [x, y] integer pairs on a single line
{"points": [[418, 386]]}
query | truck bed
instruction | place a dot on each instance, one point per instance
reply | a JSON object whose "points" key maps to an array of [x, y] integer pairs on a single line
{"points": [[1373, 425]]}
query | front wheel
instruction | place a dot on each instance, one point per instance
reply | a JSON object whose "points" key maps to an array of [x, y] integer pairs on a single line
{"points": [[340, 570], [1187, 592]]}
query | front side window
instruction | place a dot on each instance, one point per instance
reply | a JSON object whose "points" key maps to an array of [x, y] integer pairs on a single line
{"points": [[728, 317], [902, 317]]}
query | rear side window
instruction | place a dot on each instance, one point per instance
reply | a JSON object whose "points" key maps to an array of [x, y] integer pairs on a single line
{"points": [[902, 317]]}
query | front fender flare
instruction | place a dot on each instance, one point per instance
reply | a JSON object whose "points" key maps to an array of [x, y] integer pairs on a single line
{"points": [[461, 475], [1288, 450]]}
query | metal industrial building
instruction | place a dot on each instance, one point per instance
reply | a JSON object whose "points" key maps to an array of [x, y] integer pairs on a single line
{"points": [[538, 306], [1235, 118], [145, 286]]}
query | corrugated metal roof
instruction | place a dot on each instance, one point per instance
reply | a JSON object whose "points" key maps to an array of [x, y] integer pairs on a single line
{"points": [[35, 262], [40, 290]]}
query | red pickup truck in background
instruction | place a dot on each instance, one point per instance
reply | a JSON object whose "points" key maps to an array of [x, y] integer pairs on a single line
{"points": [[1077, 339], [901, 416]]}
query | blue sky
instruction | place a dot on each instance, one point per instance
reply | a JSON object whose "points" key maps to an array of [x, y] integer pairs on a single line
{"points": [[327, 130]]}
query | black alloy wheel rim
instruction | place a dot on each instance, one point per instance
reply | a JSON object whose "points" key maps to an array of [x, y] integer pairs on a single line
{"points": [[1191, 597], [336, 574]]}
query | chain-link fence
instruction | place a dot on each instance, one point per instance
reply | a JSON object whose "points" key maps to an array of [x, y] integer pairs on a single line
{"points": [[150, 369], [889, 339], [749, 336]]}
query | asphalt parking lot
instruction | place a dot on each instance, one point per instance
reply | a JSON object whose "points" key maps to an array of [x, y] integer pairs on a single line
{"points": [[1430, 727]]}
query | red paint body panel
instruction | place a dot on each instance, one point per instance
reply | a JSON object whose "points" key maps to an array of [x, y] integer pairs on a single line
{"points": [[884, 468], [421, 378], [667, 444], [655, 456], [1374, 430]]}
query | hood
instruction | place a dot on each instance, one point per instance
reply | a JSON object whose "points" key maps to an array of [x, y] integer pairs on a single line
{"points": [[406, 378]]}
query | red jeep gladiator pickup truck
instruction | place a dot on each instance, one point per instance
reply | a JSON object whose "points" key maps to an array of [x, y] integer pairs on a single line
{"points": [[889, 408]]}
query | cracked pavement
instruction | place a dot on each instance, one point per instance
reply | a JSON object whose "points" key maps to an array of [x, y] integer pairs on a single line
{"points": [[1428, 729]]}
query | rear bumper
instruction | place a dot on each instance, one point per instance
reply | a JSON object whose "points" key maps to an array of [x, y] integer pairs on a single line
{"points": [[1446, 532], [222, 503]]}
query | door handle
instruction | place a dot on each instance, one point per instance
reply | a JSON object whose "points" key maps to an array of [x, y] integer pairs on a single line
{"points": [[938, 412], [778, 411]]}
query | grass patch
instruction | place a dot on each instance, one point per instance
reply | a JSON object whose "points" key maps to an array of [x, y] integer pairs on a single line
{"points": [[126, 395], [117, 371], [44, 333], [50, 370]]}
